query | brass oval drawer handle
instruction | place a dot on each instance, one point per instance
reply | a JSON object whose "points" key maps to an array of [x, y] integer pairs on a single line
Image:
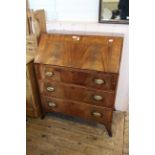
{"points": [[98, 97], [51, 89], [96, 114], [52, 104], [99, 81], [49, 74]]}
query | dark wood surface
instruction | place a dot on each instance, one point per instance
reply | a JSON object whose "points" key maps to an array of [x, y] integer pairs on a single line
{"points": [[76, 76], [78, 93], [85, 52], [67, 68], [80, 109]]}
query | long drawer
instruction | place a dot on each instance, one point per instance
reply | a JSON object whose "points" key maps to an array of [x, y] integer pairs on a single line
{"points": [[73, 108], [92, 79], [77, 93]]}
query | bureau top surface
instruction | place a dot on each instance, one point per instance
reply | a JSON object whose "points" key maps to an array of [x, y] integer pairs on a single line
{"points": [[100, 53]]}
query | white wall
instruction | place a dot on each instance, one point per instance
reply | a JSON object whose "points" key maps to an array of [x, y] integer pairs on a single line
{"points": [[68, 10], [81, 16]]}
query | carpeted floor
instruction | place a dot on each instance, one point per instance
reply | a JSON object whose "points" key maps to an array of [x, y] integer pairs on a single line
{"points": [[62, 135]]}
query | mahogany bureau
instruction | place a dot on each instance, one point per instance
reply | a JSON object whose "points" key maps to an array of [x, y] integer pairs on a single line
{"points": [[77, 75]]}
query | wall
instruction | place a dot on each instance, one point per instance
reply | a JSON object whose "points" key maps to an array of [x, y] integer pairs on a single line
{"points": [[68, 10], [81, 16]]}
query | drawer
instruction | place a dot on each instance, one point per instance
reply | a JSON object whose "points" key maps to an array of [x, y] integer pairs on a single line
{"points": [[73, 108], [77, 93], [93, 79]]}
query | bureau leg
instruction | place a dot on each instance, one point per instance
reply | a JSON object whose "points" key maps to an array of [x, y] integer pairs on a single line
{"points": [[109, 130], [43, 114]]}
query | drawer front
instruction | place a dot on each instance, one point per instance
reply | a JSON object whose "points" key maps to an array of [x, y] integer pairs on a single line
{"points": [[73, 108], [96, 80], [77, 93]]}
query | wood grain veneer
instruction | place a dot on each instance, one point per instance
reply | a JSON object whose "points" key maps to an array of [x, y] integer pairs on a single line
{"points": [[93, 53], [78, 93], [80, 109], [78, 75]]}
